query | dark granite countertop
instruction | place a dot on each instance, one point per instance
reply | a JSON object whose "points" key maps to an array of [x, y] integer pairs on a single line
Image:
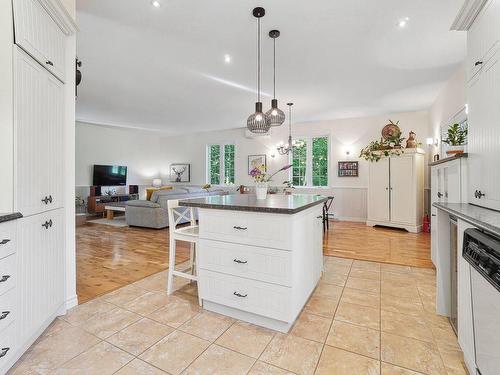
{"points": [[274, 203], [445, 160], [480, 217], [8, 216]]}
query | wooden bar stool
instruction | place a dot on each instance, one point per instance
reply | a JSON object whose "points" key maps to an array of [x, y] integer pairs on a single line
{"points": [[189, 234]]}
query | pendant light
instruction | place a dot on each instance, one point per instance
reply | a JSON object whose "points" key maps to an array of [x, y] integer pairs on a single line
{"points": [[276, 115], [285, 149], [258, 122]]}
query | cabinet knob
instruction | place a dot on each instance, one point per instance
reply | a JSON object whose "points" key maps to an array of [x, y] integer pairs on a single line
{"points": [[439, 194], [4, 314], [48, 62], [45, 200], [477, 63], [240, 261], [240, 295], [50, 198], [3, 242], [47, 224], [4, 278], [478, 194], [3, 352], [240, 228]]}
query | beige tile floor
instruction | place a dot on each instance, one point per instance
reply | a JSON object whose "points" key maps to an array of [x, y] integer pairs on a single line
{"points": [[363, 318]]}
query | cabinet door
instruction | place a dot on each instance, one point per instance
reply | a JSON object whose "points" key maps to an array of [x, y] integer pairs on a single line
{"points": [[40, 271], [30, 134], [402, 190], [378, 191], [484, 137], [38, 34], [452, 187]]}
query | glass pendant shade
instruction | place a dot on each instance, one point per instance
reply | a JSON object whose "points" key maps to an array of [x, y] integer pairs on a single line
{"points": [[276, 115], [258, 122]]}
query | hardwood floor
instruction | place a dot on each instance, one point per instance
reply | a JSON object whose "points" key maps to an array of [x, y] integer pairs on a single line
{"points": [[378, 244], [108, 258]]}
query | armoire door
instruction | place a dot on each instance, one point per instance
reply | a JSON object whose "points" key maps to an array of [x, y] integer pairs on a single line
{"points": [[402, 189], [40, 270], [378, 191]]}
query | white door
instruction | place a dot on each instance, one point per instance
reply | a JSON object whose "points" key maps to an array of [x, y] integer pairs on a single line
{"points": [[402, 189], [378, 191], [40, 270], [484, 137]]}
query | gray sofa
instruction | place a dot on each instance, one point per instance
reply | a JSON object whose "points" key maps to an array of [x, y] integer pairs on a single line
{"points": [[154, 214]]}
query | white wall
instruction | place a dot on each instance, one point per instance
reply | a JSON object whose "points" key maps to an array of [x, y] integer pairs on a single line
{"points": [[140, 151], [345, 134]]}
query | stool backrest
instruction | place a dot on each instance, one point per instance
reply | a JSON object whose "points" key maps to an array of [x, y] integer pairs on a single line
{"points": [[177, 214]]}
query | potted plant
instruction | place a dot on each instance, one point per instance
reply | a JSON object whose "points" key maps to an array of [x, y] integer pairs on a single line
{"points": [[456, 139], [262, 180]]}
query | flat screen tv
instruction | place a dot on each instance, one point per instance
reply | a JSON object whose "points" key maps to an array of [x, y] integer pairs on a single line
{"points": [[109, 175]]}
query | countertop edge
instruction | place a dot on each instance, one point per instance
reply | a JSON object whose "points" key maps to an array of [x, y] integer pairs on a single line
{"points": [[269, 210], [450, 158], [471, 220], [9, 217]]}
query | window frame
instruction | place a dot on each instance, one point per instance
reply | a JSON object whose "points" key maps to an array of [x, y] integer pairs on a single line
{"points": [[309, 161], [222, 168]]}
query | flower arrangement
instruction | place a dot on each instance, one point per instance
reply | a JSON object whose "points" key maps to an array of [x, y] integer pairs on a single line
{"points": [[259, 175]]}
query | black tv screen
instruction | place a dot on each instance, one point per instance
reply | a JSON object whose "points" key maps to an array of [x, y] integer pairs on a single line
{"points": [[109, 175]]}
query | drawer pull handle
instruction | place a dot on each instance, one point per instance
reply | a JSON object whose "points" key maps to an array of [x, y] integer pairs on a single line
{"points": [[4, 314], [440, 195], [240, 261], [478, 63], [3, 242], [4, 278], [240, 228], [4, 352], [50, 198], [49, 63], [45, 200], [478, 194], [240, 295], [319, 217]]}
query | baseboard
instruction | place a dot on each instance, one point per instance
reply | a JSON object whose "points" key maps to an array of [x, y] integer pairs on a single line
{"points": [[71, 302], [349, 218]]}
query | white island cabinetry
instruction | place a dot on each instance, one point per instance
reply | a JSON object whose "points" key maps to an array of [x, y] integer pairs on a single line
{"points": [[260, 267]]}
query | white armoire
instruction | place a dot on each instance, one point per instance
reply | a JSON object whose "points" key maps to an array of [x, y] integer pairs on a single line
{"points": [[37, 102], [396, 191]]}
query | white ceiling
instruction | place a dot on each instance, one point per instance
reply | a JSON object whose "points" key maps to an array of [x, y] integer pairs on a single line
{"points": [[163, 68]]}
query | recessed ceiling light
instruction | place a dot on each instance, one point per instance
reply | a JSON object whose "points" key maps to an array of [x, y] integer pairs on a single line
{"points": [[227, 58], [156, 3], [403, 22]]}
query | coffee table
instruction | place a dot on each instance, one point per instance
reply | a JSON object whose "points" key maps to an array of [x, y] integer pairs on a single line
{"points": [[110, 209]]}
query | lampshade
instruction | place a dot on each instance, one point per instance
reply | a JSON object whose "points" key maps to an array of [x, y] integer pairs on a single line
{"points": [[157, 182], [258, 122], [276, 116]]}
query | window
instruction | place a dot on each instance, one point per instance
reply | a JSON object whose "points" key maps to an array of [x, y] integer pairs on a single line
{"points": [[310, 162], [220, 164]]}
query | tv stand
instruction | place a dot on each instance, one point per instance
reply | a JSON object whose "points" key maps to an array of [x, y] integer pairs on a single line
{"points": [[96, 203]]}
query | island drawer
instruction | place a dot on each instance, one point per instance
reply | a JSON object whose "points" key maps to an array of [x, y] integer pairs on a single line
{"points": [[6, 309], [249, 228], [7, 347], [7, 238], [7, 270], [269, 300], [252, 262]]}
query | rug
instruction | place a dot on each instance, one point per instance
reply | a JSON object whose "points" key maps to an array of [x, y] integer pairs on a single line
{"points": [[116, 222]]}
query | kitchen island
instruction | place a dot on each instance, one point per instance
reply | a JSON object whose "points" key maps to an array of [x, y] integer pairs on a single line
{"points": [[259, 260]]}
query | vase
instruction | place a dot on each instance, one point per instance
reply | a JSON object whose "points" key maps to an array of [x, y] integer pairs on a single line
{"points": [[261, 190], [453, 150]]}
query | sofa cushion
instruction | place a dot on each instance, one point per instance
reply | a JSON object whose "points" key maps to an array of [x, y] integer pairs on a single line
{"points": [[195, 190], [165, 193], [143, 203]]}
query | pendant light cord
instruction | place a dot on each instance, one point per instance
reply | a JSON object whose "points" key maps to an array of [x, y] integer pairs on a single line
{"points": [[258, 59], [274, 68]]}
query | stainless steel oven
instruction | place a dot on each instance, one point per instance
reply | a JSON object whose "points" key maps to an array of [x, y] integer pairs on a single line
{"points": [[482, 251]]}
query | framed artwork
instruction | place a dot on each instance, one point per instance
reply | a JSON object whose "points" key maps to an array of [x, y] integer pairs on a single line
{"points": [[348, 169], [180, 172], [257, 161]]}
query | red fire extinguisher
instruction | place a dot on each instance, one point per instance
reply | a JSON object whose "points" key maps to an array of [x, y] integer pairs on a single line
{"points": [[426, 225]]}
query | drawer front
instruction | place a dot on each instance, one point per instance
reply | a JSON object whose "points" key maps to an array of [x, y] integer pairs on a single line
{"points": [[258, 229], [8, 346], [7, 238], [269, 300], [7, 270], [258, 263], [7, 301]]}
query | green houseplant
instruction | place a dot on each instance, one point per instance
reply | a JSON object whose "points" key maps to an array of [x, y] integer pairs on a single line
{"points": [[456, 138]]}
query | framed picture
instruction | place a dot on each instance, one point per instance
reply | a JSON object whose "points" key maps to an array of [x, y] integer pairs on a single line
{"points": [[348, 169], [257, 161], [180, 172]]}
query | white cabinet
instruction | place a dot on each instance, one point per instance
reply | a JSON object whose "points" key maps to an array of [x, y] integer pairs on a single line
{"points": [[484, 110], [396, 191], [40, 270], [38, 34], [38, 124]]}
